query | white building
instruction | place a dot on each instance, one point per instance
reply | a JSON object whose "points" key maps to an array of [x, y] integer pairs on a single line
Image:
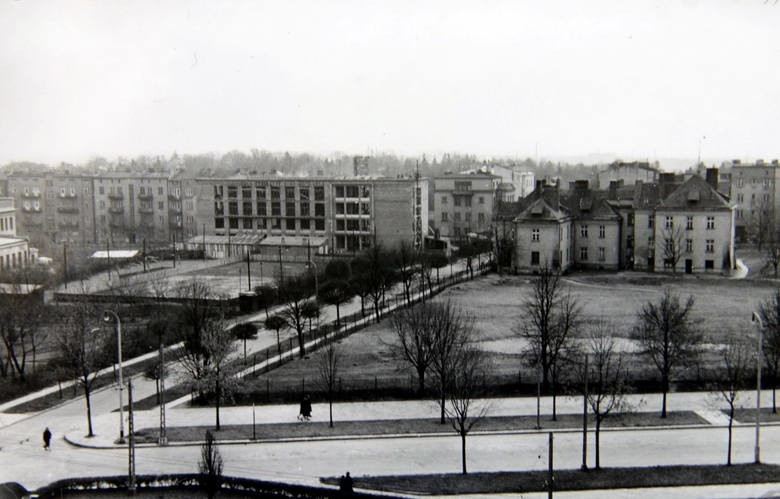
{"points": [[14, 251]]}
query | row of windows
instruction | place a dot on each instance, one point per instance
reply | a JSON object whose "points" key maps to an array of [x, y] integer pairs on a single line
{"points": [[13, 260], [303, 209], [753, 197], [271, 223], [765, 182], [462, 200], [669, 223], [445, 217], [262, 191], [6, 224]]}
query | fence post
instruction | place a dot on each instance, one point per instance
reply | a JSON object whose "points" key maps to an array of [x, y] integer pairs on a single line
{"points": [[267, 389]]}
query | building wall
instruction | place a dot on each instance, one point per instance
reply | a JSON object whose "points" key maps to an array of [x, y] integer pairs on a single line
{"points": [[644, 240], [713, 245], [457, 210], [14, 252], [754, 188], [553, 245], [601, 250]]}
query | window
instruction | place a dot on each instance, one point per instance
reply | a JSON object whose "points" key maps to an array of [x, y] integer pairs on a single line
{"points": [[319, 224], [233, 208], [740, 197], [303, 192], [481, 217], [319, 211], [101, 204], [689, 223], [602, 254], [276, 209], [457, 216], [535, 235], [247, 223], [602, 232], [247, 208], [261, 223], [444, 216], [467, 201], [261, 208], [304, 207], [669, 223], [709, 264], [290, 224], [289, 192], [306, 224], [583, 231], [650, 242], [101, 189], [709, 246], [710, 223], [463, 186], [246, 191], [159, 191], [444, 200], [260, 191], [160, 205], [630, 220], [339, 191], [584, 253], [457, 200], [534, 258], [740, 181], [232, 191], [289, 209], [233, 223], [467, 216], [689, 245], [649, 221], [219, 223], [319, 195], [482, 200], [275, 192]]}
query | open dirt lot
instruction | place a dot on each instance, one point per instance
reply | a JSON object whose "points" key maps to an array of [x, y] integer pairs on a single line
{"points": [[723, 308]]}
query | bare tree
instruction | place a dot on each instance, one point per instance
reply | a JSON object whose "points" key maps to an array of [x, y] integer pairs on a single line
{"points": [[210, 466], [769, 310], [552, 320], [405, 260], [82, 349], [337, 292], [245, 331], [414, 329], [22, 330], [452, 330], [218, 347], [666, 331], [374, 275], [294, 295], [772, 250], [737, 359], [467, 382], [328, 370], [276, 322], [607, 378], [673, 246]]}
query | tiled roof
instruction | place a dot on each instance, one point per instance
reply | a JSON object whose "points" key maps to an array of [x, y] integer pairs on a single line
{"points": [[695, 193], [540, 210]]}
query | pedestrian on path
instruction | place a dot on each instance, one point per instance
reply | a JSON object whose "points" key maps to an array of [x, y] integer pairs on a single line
{"points": [[46, 439], [345, 484], [305, 413]]}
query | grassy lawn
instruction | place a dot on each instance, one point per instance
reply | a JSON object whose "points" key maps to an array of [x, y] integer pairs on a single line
{"points": [[535, 481], [409, 426], [723, 309]]}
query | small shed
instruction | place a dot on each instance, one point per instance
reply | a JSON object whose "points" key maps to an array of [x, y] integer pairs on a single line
{"points": [[225, 246], [294, 248]]}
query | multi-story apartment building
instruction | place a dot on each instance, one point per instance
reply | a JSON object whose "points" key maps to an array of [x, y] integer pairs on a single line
{"points": [[14, 251], [672, 226], [351, 213], [54, 206], [543, 232], [464, 203], [754, 189], [628, 172]]}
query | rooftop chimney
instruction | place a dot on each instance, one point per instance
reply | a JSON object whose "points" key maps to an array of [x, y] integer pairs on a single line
{"points": [[551, 195], [712, 177]]}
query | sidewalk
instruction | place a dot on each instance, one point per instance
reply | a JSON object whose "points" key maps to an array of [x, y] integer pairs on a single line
{"points": [[703, 403]]}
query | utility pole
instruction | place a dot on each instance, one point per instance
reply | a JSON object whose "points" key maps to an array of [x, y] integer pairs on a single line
{"points": [[131, 438], [144, 254], [759, 362], [174, 249], [584, 466], [248, 271], [204, 242], [281, 268], [229, 242], [108, 259], [538, 400], [163, 440], [65, 262], [550, 484]]}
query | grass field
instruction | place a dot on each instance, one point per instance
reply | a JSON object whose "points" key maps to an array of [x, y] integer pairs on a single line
{"points": [[722, 309]]}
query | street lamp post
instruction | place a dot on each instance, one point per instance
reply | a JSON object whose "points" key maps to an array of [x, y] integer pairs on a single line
{"points": [[107, 316], [759, 361]]}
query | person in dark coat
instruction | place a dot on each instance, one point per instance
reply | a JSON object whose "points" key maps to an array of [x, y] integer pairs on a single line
{"points": [[348, 483], [305, 414], [47, 439]]}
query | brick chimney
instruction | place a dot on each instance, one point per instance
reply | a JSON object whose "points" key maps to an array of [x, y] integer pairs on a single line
{"points": [[551, 195], [712, 177]]}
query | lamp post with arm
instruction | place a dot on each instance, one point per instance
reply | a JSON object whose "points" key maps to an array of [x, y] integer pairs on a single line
{"points": [[108, 315], [759, 362]]}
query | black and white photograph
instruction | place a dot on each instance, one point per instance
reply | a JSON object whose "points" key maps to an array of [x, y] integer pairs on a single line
{"points": [[389, 249]]}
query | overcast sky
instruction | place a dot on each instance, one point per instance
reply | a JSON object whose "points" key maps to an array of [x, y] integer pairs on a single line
{"points": [[637, 79]]}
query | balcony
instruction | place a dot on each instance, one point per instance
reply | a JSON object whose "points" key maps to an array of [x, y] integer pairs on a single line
{"points": [[116, 195], [173, 196], [68, 195], [146, 210], [67, 209], [69, 226], [33, 194], [114, 210], [147, 196], [116, 224]]}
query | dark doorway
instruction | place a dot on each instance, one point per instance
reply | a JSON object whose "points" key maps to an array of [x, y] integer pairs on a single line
{"points": [[689, 266]]}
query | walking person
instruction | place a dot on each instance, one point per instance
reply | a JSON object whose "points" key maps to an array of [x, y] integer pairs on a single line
{"points": [[46, 439], [305, 413]]}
